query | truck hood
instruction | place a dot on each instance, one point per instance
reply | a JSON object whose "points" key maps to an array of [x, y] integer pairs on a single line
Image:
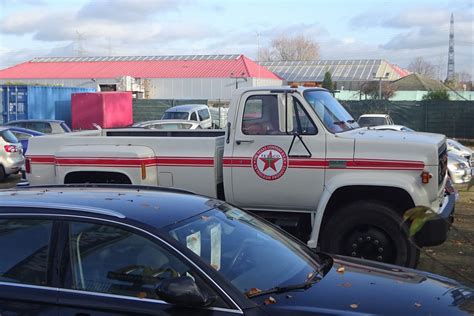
{"points": [[365, 287], [407, 146]]}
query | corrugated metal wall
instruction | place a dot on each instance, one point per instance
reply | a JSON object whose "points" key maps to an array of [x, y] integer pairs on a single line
{"points": [[37, 102]]}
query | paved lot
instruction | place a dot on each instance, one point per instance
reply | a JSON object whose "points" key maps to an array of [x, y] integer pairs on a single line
{"points": [[453, 259]]}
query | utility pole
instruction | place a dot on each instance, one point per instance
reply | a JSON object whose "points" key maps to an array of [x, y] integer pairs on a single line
{"points": [[79, 47], [450, 75]]}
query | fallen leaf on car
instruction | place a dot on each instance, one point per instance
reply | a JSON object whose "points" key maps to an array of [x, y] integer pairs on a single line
{"points": [[341, 269], [347, 285], [354, 306], [141, 295], [269, 300], [253, 291], [310, 276], [204, 218], [417, 305]]}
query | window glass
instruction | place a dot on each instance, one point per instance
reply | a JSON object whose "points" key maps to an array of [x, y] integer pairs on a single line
{"points": [[21, 136], [203, 114], [262, 116], [193, 117], [175, 116], [8, 136], [24, 249], [371, 121], [111, 260], [246, 251], [40, 127]]}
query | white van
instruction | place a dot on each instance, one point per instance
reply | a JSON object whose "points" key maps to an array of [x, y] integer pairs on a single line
{"points": [[190, 112]]}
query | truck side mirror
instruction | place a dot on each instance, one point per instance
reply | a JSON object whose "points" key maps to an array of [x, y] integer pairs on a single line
{"points": [[285, 113], [183, 291]]}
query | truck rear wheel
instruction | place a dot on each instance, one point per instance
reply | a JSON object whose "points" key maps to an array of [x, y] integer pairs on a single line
{"points": [[369, 230]]}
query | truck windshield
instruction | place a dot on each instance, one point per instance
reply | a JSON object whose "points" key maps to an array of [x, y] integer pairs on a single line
{"points": [[330, 111], [246, 251], [175, 116]]}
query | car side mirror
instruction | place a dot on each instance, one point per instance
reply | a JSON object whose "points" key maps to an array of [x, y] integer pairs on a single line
{"points": [[183, 291]]}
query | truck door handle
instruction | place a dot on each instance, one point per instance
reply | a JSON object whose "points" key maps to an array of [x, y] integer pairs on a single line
{"points": [[239, 141]]}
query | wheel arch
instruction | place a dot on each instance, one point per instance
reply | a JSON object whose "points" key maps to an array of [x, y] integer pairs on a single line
{"points": [[330, 201]]}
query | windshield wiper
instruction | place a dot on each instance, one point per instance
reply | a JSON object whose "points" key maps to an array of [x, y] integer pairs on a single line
{"points": [[300, 286]]}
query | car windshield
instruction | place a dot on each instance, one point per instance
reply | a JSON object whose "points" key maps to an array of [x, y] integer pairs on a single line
{"points": [[175, 116], [367, 121], [330, 111], [246, 251], [8, 137]]}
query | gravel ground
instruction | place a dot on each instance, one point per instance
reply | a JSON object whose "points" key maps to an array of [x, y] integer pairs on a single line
{"points": [[454, 258]]}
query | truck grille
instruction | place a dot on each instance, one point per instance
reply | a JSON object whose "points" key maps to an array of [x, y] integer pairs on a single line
{"points": [[442, 163]]}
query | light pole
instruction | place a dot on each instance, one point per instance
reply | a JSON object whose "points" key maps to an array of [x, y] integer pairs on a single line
{"points": [[380, 82]]}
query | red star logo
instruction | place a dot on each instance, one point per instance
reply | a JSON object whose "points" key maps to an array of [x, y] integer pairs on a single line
{"points": [[269, 161]]}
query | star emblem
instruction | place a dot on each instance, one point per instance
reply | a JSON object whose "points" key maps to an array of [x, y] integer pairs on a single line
{"points": [[269, 161]]}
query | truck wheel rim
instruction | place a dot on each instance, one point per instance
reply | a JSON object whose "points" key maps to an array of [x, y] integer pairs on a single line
{"points": [[370, 243]]}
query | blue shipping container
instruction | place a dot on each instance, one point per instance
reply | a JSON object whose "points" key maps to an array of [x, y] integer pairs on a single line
{"points": [[22, 102]]}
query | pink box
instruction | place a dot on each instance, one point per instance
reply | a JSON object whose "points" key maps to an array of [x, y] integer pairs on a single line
{"points": [[106, 109]]}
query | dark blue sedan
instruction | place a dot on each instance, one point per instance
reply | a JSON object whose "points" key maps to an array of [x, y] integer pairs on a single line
{"points": [[24, 135], [119, 250]]}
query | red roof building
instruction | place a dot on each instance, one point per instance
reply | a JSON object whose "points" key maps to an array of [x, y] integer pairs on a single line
{"points": [[211, 77], [204, 66]]}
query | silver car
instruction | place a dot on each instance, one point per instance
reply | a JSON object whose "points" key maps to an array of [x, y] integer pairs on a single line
{"points": [[169, 124], [11, 153], [459, 169]]}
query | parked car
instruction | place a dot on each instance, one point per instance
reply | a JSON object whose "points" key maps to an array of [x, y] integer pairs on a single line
{"points": [[459, 157], [459, 169], [461, 150], [11, 153], [108, 250], [23, 135], [43, 126], [168, 124], [367, 120], [191, 112]]}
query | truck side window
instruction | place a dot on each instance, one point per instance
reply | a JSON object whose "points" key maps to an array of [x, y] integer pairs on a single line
{"points": [[193, 117], [261, 116]]}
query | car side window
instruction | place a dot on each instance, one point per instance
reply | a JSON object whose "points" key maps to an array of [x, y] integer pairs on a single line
{"points": [[24, 251], [40, 127], [112, 260], [21, 136], [203, 114], [193, 117]]}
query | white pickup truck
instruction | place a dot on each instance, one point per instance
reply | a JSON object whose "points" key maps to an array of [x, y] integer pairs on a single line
{"points": [[293, 155]]}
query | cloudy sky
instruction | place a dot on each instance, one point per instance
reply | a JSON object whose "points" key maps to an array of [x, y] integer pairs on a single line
{"points": [[397, 31]]}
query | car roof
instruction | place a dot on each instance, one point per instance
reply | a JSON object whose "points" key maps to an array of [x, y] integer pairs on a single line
{"points": [[39, 120], [373, 115], [187, 108], [25, 130], [168, 122], [158, 207]]}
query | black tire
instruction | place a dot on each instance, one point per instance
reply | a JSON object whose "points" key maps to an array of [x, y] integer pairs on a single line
{"points": [[2, 174], [370, 230]]}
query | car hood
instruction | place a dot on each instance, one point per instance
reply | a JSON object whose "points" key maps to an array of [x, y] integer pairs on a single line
{"points": [[380, 144], [365, 287]]}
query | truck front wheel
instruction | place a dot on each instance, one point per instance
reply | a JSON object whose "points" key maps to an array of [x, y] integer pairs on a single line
{"points": [[369, 230]]}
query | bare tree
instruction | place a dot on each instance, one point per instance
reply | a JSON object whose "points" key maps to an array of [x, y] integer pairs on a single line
{"points": [[371, 88], [423, 67], [290, 48]]}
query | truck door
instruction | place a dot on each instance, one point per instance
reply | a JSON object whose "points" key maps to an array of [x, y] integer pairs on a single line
{"points": [[265, 173]]}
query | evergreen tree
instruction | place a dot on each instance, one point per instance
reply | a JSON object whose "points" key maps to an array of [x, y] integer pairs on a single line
{"points": [[327, 82]]}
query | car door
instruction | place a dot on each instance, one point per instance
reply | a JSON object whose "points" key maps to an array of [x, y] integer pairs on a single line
{"points": [[26, 255], [265, 173], [112, 270]]}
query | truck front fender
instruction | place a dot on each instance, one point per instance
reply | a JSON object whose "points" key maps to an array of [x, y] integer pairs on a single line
{"points": [[408, 182]]}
